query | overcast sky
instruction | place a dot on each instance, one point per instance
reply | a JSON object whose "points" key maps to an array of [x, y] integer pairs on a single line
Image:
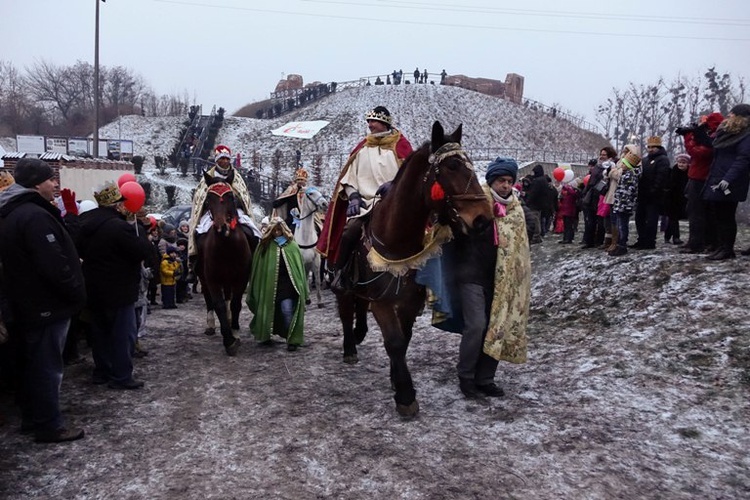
{"points": [[233, 52]]}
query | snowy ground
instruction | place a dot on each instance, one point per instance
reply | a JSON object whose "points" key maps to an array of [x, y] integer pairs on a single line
{"points": [[636, 387]]}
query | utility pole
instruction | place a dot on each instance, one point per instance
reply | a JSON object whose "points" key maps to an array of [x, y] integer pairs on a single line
{"points": [[95, 151]]}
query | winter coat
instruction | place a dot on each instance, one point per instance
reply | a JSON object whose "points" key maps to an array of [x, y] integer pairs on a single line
{"points": [[168, 269], [701, 156], [537, 196], [653, 185], [42, 271], [568, 199], [112, 253], [589, 195], [731, 163], [613, 175], [676, 203], [627, 194]]}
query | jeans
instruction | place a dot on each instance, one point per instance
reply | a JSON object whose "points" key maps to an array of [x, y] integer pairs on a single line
{"points": [[114, 333], [43, 373], [621, 220], [473, 363]]}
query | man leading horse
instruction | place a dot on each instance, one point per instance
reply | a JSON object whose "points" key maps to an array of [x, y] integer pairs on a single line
{"points": [[373, 162], [200, 220]]}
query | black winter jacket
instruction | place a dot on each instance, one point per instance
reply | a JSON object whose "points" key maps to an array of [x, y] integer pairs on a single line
{"points": [[41, 268], [653, 186], [112, 253]]}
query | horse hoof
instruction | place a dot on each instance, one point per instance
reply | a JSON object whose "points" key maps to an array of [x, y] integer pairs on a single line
{"points": [[308, 302], [210, 331], [408, 411], [351, 359], [321, 305], [233, 348]]}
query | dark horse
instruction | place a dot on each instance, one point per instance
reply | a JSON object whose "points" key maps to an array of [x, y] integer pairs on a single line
{"points": [[224, 260], [437, 182]]}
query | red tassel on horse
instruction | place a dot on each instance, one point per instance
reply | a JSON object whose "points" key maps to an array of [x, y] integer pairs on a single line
{"points": [[437, 193]]}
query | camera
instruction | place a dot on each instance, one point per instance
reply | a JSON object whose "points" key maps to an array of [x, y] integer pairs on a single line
{"points": [[687, 129]]}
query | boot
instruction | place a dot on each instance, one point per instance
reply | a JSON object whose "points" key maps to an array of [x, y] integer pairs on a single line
{"points": [[615, 236], [607, 243]]}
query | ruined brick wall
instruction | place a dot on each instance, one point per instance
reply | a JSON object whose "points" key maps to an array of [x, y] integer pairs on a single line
{"points": [[511, 89]]}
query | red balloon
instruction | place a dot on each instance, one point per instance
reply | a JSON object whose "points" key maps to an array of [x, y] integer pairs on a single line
{"points": [[126, 177], [134, 196], [586, 180], [558, 174]]}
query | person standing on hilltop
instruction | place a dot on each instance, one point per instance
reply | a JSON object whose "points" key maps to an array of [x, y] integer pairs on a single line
{"points": [[373, 162]]}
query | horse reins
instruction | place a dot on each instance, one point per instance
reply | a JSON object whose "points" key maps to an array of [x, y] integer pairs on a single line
{"points": [[444, 152]]}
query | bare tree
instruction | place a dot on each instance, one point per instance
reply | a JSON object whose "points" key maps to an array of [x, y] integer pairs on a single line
{"points": [[55, 85]]}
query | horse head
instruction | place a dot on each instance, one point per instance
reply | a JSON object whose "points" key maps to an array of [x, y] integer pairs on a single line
{"points": [[453, 190], [221, 203], [318, 199]]}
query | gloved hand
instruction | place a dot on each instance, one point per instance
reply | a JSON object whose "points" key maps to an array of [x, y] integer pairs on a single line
{"points": [[69, 201], [355, 203], [722, 185]]}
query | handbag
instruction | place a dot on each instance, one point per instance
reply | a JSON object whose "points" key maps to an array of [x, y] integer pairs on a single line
{"points": [[602, 186]]}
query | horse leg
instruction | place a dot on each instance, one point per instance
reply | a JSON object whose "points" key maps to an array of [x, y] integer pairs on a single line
{"points": [[346, 314], [231, 343], [360, 315], [235, 306], [210, 320], [308, 265], [396, 344], [316, 277]]}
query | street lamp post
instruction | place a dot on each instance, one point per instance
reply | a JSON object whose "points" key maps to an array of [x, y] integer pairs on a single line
{"points": [[95, 151]]}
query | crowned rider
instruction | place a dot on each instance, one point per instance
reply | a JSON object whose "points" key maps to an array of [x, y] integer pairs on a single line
{"points": [[291, 198], [373, 162], [200, 220]]}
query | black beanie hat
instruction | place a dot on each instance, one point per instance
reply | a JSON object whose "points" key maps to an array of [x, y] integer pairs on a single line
{"points": [[741, 110], [30, 172], [501, 166]]}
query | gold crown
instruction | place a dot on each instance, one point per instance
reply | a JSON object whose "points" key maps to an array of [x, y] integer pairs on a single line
{"points": [[301, 174], [379, 116], [653, 141], [108, 194]]}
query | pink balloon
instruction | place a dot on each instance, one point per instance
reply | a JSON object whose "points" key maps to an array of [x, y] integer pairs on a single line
{"points": [[558, 174], [586, 180], [126, 177], [134, 196]]}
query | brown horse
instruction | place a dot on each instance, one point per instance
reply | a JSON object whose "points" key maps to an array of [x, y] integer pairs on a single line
{"points": [[436, 183], [224, 261]]}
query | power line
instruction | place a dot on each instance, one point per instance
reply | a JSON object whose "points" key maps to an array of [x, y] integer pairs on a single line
{"points": [[554, 13], [453, 25]]}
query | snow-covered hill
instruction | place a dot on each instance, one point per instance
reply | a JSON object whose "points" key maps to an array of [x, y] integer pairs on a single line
{"points": [[491, 127]]}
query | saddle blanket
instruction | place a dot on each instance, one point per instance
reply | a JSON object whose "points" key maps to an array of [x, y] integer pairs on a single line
{"points": [[204, 224]]}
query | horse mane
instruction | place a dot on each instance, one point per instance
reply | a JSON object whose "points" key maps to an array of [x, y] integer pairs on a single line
{"points": [[424, 150]]}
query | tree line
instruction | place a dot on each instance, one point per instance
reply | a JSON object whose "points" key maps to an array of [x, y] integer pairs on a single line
{"points": [[632, 114], [50, 99]]}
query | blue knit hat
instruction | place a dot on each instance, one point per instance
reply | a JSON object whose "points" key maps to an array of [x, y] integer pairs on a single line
{"points": [[501, 166]]}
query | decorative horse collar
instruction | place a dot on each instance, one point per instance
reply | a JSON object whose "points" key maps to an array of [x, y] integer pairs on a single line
{"points": [[447, 150]]}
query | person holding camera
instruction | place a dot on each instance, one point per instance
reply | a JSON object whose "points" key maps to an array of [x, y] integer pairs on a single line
{"points": [[729, 178], [698, 139]]}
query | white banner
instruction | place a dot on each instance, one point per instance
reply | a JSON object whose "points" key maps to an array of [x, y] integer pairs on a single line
{"points": [[57, 145], [33, 144], [300, 130]]}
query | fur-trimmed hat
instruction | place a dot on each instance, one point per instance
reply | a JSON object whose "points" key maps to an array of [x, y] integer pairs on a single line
{"points": [[6, 180], [222, 151], [653, 142], [108, 194], [501, 166], [301, 174], [30, 172], [380, 114]]}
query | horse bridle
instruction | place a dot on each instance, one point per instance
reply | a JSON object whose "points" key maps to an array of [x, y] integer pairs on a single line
{"points": [[221, 189], [444, 152]]}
